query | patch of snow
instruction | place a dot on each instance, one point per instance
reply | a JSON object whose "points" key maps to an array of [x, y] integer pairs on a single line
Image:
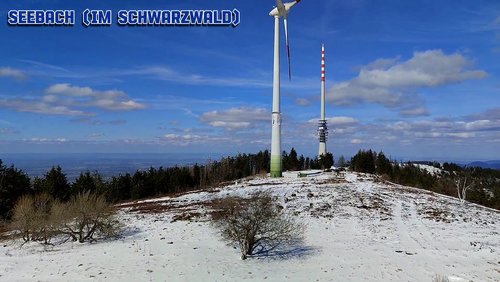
{"points": [[430, 169]]}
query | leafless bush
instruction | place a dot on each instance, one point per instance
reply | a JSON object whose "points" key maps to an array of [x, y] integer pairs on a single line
{"points": [[23, 218], [86, 216], [32, 218], [255, 224], [41, 218]]}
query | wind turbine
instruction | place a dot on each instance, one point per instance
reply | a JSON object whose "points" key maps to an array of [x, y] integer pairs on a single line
{"points": [[280, 11]]}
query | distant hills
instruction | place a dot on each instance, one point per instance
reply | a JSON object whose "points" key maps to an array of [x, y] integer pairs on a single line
{"points": [[486, 164], [493, 164]]}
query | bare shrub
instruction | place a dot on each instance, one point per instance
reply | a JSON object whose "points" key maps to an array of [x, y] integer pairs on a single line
{"points": [[23, 219], [33, 218], [41, 218], [86, 216], [43, 229], [256, 224]]}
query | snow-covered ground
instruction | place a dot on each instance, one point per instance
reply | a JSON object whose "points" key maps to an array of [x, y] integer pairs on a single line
{"points": [[430, 169], [358, 229]]}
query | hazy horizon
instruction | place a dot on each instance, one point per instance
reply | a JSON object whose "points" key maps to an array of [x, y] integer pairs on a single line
{"points": [[417, 80], [114, 164]]}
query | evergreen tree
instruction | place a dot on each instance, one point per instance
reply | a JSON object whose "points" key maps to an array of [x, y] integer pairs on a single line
{"points": [[302, 162], [13, 184], [383, 165], [364, 161], [196, 174], [85, 182], [341, 161], [285, 161], [325, 161], [307, 163], [119, 188], [55, 184], [293, 162]]}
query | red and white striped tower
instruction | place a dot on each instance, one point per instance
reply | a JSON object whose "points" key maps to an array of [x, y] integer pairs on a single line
{"points": [[322, 127]]}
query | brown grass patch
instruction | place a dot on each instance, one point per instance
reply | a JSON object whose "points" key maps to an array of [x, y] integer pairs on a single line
{"points": [[188, 216], [183, 212], [264, 183], [375, 203], [128, 204], [158, 207], [436, 214], [3, 232], [332, 181]]}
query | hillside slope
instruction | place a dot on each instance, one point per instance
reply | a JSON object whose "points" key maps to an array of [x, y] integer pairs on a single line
{"points": [[358, 229]]}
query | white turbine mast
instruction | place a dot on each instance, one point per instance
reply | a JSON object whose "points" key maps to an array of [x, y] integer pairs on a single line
{"points": [[280, 11]]}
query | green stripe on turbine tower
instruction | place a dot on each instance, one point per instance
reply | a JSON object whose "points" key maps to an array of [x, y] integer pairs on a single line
{"points": [[276, 166]]}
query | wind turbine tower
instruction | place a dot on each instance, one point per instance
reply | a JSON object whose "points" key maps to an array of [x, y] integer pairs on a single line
{"points": [[322, 127], [280, 11]]}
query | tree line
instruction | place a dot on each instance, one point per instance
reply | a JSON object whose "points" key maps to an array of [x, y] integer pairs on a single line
{"points": [[483, 184], [14, 183]]}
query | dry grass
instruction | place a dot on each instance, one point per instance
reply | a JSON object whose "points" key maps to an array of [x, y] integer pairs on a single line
{"points": [[263, 184], [191, 215], [4, 232], [157, 207], [336, 180], [180, 211], [436, 214], [440, 278], [141, 204]]}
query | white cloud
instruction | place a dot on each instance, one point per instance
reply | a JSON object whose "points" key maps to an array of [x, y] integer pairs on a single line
{"points": [[425, 69], [169, 74], [190, 139], [461, 134], [302, 102], [392, 83], [356, 141], [413, 112], [38, 140], [12, 73], [340, 121], [8, 130], [471, 130], [93, 121], [113, 100], [40, 107], [452, 129], [236, 118], [64, 99], [380, 64]]}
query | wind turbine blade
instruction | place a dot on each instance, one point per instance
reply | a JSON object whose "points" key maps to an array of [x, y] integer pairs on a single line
{"points": [[287, 47]]}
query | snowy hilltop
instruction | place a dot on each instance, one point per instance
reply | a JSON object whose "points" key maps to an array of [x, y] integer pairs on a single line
{"points": [[358, 228]]}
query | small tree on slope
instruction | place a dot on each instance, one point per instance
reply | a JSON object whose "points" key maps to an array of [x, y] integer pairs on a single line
{"points": [[89, 216], [255, 224]]}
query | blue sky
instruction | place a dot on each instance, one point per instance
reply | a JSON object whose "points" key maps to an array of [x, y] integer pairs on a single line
{"points": [[416, 79]]}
